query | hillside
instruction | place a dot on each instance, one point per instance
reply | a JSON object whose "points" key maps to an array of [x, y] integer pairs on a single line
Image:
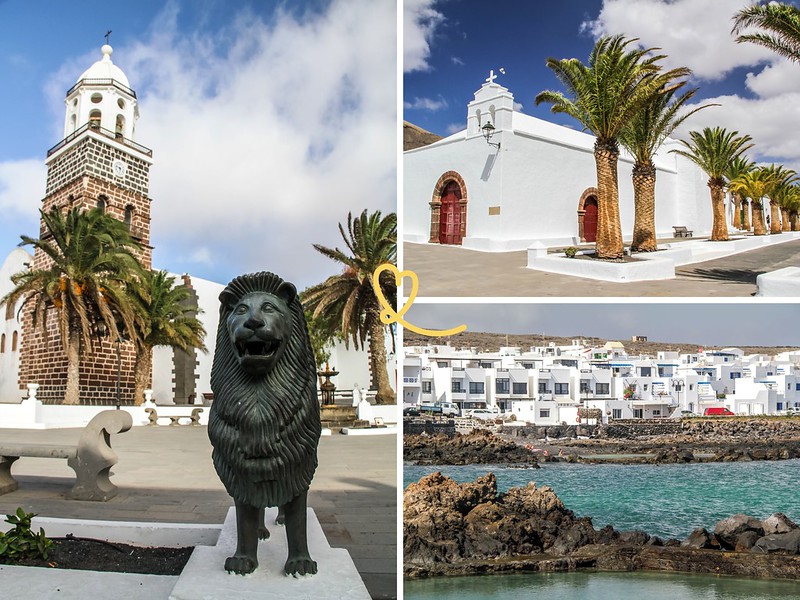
{"points": [[416, 137], [491, 342]]}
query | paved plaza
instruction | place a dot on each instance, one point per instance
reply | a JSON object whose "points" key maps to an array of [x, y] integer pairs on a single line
{"points": [[457, 272], [165, 475]]}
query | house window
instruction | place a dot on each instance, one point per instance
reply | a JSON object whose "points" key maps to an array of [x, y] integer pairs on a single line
{"points": [[779, 405], [645, 371], [441, 364], [486, 365], [527, 365], [542, 387], [797, 387], [456, 387], [585, 386], [501, 386], [544, 413], [426, 387], [601, 388], [637, 413], [616, 413], [736, 375], [476, 387], [645, 386], [691, 387], [520, 388], [657, 412], [562, 388]]}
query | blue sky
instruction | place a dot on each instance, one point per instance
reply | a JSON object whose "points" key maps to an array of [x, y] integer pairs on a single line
{"points": [[268, 120], [451, 45], [733, 324]]}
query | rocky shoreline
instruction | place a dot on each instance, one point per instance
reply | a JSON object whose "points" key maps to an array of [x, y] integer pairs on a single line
{"points": [[687, 441], [471, 528]]}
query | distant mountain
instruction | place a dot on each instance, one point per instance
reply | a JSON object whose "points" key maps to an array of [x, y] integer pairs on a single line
{"points": [[491, 342], [416, 137]]}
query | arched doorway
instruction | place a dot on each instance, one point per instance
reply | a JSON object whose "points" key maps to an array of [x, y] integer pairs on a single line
{"points": [[590, 220], [449, 210], [587, 216], [450, 215]]}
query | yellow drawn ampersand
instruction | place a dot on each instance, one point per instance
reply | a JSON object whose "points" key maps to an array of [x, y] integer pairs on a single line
{"points": [[389, 315]]}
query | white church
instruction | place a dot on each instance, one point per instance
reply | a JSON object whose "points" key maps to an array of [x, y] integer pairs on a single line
{"points": [[531, 181], [100, 164]]}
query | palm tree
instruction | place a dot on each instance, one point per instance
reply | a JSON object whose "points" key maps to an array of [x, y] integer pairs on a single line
{"points": [[754, 184], [88, 263], [165, 316], [347, 301], [741, 215], [783, 195], [781, 177], [779, 24], [642, 136], [604, 96], [713, 150]]}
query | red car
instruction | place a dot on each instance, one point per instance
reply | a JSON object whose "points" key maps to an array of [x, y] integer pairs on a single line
{"points": [[718, 412]]}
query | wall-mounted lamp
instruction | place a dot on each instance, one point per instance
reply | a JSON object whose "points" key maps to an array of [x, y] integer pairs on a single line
{"points": [[488, 132]]}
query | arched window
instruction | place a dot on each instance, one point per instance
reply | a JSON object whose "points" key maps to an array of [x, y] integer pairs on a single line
{"points": [[101, 203], [3, 343], [119, 127], [14, 342], [128, 216], [94, 119], [9, 310], [73, 121]]}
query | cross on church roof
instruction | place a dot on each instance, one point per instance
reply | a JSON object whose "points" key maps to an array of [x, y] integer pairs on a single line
{"points": [[108, 33], [491, 77]]}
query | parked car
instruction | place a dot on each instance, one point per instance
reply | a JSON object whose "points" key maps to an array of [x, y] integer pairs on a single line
{"points": [[446, 409], [484, 414], [411, 411], [718, 411]]}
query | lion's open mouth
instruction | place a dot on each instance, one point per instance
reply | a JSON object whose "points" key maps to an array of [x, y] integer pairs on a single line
{"points": [[257, 348]]}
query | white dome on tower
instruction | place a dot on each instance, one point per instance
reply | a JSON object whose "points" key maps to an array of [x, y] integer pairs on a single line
{"points": [[105, 69]]}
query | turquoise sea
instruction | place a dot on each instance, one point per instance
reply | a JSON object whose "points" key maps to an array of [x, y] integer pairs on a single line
{"points": [[664, 500]]}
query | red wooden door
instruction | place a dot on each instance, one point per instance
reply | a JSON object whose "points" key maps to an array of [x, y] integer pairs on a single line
{"points": [[590, 220], [450, 221]]}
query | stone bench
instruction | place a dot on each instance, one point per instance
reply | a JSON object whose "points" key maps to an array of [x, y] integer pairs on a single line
{"points": [[152, 414], [681, 231], [91, 459]]}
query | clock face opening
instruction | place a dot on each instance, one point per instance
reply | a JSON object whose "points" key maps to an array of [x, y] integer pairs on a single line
{"points": [[119, 168]]}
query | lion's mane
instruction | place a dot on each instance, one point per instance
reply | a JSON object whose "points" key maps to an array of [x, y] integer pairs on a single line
{"points": [[274, 415]]}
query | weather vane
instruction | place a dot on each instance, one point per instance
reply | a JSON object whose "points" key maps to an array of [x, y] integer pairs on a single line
{"points": [[108, 33]]}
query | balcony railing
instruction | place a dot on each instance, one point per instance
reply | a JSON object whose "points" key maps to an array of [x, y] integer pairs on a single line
{"points": [[414, 380], [106, 81], [105, 133]]}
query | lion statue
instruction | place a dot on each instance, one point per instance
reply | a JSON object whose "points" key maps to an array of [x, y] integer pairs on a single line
{"points": [[264, 423]]}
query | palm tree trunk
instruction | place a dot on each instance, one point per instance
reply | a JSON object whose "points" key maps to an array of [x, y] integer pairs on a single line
{"points": [[737, 211], [377, 358], [793, 219], [759, 228], [609, 231], [775, 218], [141, 373], [786, 226], [746, 210], [72, 393], [719, 229], [644, 199]]}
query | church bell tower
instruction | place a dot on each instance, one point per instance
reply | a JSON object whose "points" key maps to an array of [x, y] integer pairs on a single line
{"points": [[98, 164]]}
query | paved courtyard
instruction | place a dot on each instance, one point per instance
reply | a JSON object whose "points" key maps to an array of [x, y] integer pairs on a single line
{"points": [[458, 272], [165, 475]]}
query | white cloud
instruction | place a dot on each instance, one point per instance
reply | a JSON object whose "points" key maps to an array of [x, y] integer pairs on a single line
{"points": [[266, 135], [419, 24], [425, 104], [457, 61], [21, 184], [775, 79], [518, 106], [767, 121], [455, 128], [693, 34]]}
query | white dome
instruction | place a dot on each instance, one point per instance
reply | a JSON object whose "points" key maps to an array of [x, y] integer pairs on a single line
{"points": [[105, 69]]}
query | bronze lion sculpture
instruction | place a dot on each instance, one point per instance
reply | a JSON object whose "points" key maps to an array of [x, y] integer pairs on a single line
{"points": [[264, 423]]}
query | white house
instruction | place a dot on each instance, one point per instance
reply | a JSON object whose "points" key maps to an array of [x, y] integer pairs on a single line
{"points": [[536, 183]]}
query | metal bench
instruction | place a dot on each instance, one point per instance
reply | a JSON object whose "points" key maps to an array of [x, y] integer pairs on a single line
{"points": [[152, 415], [91, 459], [681, 231]]}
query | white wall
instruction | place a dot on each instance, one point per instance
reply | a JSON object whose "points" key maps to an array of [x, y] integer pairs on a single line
{"points": [[9, 360]]}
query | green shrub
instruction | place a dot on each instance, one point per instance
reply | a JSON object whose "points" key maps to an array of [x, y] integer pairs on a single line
{"points": [[20, 542], [571, 252]]}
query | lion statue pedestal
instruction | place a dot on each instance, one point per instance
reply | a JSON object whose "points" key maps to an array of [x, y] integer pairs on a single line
{"points": [[264, 423]]}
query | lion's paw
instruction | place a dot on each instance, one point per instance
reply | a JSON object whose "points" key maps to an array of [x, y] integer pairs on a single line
{"points": [[263, 533], [241, 565], [300, 566]]}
